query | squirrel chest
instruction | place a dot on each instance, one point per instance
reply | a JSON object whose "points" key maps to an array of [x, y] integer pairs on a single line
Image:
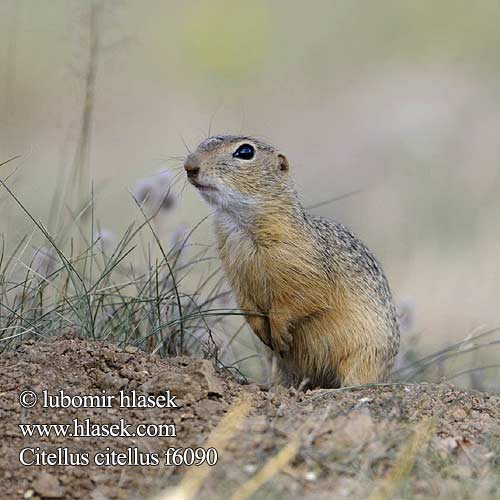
{"points": [[247, 265], [266, 266]]}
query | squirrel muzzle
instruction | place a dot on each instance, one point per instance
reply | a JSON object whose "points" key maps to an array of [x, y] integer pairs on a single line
{"points": [[192, 166]]}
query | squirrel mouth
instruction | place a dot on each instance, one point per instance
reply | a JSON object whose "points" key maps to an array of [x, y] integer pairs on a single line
{"points": [[201, 187]]}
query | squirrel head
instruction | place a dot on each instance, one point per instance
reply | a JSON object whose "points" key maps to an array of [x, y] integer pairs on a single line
{"points": [[233, 172]]}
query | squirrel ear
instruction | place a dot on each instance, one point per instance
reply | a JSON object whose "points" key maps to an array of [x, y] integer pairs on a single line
{"points": [[283, 163]]}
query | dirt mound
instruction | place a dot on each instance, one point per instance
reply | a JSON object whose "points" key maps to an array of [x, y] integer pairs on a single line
{"points": [[427, 440]]}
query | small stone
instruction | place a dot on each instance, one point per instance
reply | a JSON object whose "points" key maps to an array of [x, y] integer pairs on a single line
{"points": [[29, 493], [131, 349], [365, 400], [459, 414], [130, 374], [204, 369], [311, 476], [355, 429], [110, 381], [250, 468], [47, 486]]}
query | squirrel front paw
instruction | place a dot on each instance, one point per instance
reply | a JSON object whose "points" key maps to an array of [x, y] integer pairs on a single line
{"points": [[281, 343]]}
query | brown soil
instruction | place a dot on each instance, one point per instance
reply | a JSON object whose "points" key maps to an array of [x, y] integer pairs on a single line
{"points": [[353, 443]]}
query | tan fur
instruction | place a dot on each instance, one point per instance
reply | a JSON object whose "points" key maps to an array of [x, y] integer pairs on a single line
{"points": [[301, 281]]}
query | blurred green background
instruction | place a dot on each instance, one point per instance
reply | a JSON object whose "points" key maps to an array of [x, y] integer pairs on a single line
{"points": [[396, 100]]}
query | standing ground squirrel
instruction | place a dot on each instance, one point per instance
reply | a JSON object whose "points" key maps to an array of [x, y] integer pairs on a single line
{"points": [[309, 289]]}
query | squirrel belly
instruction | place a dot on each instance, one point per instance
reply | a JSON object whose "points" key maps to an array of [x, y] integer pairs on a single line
{"points": [[309, 288]]}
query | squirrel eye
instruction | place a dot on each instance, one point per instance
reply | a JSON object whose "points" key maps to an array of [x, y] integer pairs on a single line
{"points": [[244, 152]]}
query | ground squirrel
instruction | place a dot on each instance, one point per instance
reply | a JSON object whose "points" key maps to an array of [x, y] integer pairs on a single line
{"points": [[309, 288]]}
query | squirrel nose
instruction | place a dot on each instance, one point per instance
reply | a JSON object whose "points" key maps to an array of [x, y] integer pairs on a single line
{"points": [[192, 166]]}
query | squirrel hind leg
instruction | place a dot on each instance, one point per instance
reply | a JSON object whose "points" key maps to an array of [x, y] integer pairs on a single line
{"points": [[363, 368], [281, 337], [326, 378]]}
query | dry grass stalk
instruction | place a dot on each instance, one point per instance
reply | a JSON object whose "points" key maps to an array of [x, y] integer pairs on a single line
{"points": [[218, 439], [274, 465], [405, 462]]}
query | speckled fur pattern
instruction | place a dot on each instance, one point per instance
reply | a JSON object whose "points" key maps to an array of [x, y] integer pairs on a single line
{"points": [[309, 288]]}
